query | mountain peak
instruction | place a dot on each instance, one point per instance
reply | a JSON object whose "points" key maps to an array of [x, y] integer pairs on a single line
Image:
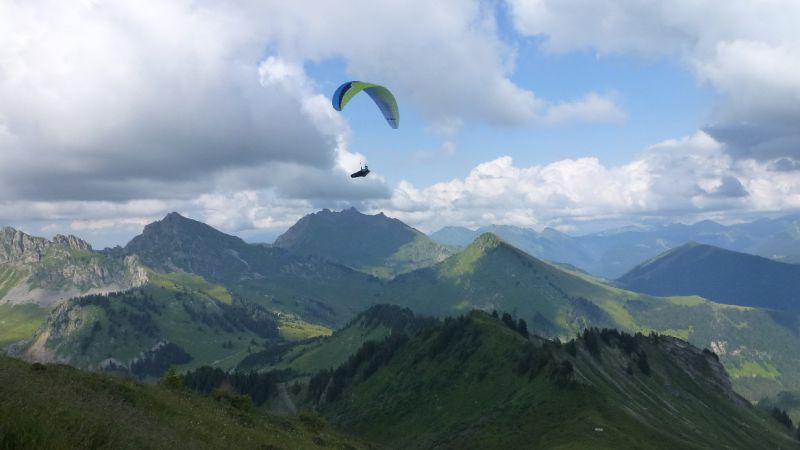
{"points": [[72, 242], [371, 243], [487, 241], [179, 243], [174, 215]]}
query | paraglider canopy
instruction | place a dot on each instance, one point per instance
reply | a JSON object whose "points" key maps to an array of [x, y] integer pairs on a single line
{"points": [[379, 94]]}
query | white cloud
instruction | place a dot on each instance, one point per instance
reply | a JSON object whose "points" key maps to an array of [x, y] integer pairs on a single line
{"points": [[683, 178], [747, 50], [115, 100]]}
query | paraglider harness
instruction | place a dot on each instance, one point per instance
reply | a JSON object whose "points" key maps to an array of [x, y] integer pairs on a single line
{"points": [[361, 173]]}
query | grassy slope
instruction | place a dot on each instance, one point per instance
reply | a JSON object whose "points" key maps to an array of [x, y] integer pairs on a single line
{"points": [[419, 252], [293, 328], [18, 322], [166, 302], [63, 408], [332, 352], [785, 400], [10, 277], [313, 355], [469, 394], [490, 274]]}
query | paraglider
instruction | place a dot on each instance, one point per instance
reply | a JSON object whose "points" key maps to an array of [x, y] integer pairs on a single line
{"points": [[382, 97], [361, 173]]}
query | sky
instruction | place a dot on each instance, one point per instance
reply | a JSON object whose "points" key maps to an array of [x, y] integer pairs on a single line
{"points": [[580, 115]]}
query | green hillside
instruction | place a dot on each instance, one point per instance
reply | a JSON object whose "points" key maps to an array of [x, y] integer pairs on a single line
{"points": [[754, 344], [785, 400], [308, 287], [375, 244], [177, 319], [58, 407], [473, 382], [306, 358], [720, 275], [18, 322]]}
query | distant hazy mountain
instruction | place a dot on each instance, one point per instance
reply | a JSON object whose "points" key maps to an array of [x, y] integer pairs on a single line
{"points": [[474, 382], [41, 271], [549, 244], [374, 244], [611, 254], [456, 236], [720, 275]]}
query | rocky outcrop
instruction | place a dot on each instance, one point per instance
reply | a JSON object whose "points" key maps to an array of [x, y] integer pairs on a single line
{"points": [[41, 271], [18, 247]]}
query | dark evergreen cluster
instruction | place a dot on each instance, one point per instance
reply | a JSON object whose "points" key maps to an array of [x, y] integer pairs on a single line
{"points": [[253, 317], [520, 326], [134, 313], [629, 344], [782, 417], [241, 315], [259, 386], [451, 330], [396, 318], [270, 355], [141, 322], [532, 360], [156, 361], [87, 340], [366, 361]]}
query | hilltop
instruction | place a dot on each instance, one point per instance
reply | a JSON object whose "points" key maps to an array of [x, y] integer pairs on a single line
{"points": [[375, 244]]}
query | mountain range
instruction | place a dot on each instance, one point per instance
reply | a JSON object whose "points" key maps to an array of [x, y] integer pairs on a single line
{"points": [[211, 298], [610, 254]]}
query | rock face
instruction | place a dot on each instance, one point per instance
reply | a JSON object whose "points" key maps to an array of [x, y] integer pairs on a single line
{"points": [[41, 271]]}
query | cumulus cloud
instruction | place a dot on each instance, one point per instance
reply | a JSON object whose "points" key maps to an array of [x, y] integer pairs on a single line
{"points": [[749, 51], [118, 100], [683, 178], [114, 100]]}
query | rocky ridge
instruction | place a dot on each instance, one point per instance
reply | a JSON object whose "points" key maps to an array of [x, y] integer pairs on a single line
{"points": [[44, 272]]}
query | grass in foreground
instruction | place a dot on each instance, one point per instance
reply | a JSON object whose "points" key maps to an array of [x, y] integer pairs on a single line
{"points": [[59, 407]]}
